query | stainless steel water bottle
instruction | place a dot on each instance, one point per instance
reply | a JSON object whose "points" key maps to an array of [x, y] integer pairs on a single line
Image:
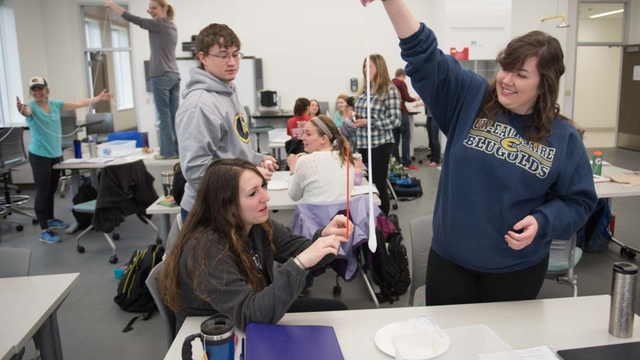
{"points": [[623, 298], [93, 147]]}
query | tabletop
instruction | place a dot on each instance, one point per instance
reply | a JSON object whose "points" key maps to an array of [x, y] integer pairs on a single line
{"points": [[560, 323]]}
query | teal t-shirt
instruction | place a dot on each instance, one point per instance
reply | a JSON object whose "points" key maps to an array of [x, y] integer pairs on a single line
{"points": [[46, 129]]}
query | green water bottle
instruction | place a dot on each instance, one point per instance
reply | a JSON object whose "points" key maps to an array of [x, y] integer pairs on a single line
{"points": [[597, 163]]}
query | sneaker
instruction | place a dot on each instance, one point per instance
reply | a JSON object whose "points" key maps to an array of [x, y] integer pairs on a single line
{"points": [[49, 237], [410, 167], [57, 224], [431, 163], [160, 157]]}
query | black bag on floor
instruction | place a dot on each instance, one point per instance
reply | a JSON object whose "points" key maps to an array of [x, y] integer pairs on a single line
{"points": [[86, 192], [408, 190], [595, 235], [390, 267]]}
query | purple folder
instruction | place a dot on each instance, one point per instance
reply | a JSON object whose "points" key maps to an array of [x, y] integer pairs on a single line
{"points": [[289, 342]]}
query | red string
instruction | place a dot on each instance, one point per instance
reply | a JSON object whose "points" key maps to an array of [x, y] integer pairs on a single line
{"points": [[348, 188]]}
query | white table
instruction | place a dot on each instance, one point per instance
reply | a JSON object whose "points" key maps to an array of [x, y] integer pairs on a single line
{"points": [[562, 323], [280, 200], [607, 190], [28, 306]]}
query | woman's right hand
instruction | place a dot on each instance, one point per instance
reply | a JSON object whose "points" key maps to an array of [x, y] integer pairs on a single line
{"points": [[320, 248]]}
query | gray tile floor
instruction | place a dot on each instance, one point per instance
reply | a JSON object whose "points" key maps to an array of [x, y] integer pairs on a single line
{"points": [[91, 324]]}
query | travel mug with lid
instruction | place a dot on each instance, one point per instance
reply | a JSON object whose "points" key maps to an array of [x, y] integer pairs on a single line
{"points": [[217, 335], [623, 297]]}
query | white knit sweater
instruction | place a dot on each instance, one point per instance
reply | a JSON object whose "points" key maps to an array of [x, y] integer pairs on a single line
{"points": [[319, 177]]}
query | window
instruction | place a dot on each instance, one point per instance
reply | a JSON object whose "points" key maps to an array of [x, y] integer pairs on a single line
{"points": [[122, 67], [10, 77]]}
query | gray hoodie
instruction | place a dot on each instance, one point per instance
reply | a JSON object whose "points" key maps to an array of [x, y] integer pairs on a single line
{"points": [[210, 125]]}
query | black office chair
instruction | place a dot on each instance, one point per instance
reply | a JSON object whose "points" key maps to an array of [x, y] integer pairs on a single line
{"points": [[68, 121], [167, 315], [12, 155], [124, 190], [101, 130], [256, 129]]}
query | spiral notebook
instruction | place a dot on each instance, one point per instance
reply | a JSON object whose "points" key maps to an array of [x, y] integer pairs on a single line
{"points": [[289, 342]]}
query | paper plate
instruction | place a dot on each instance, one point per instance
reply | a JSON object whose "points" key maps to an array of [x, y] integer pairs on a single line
{"points": [[278, 185], [420, 326]]}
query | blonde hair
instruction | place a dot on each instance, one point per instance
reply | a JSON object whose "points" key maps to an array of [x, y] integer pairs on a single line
{"points": [[165, 4], [342, 97], [381, 81]]}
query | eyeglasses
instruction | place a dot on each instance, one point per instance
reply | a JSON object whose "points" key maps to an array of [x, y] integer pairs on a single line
{"points": [[227, 56]]}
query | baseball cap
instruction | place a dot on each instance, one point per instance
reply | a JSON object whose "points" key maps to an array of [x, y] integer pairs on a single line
{"points": [[37, 81]]}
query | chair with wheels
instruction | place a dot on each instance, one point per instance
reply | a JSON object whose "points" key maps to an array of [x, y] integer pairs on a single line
{"points": [[12, 155], [68, 121], [256, 129], [167, 315], [563, 257], [421, 235], [124, 189], [102, 127], [418, 124]]}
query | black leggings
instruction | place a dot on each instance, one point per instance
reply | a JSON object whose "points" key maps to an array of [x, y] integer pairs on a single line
{"points": [[380, 161], [448, 283], [46, 181]]}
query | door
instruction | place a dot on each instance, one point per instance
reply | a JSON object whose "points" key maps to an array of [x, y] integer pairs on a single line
{"points": [[629, 111]]}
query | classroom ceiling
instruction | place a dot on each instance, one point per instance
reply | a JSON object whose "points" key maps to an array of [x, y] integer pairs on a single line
{"points": [[588, 9]]}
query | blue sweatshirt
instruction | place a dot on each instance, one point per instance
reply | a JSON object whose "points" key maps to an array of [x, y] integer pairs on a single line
{"points": [[492, 177]]}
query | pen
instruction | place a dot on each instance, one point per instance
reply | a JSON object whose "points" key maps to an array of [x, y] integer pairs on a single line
{"points": [[242, 350]]}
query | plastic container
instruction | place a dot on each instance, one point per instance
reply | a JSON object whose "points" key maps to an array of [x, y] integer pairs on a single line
{"points": [[357, 179], [597, 162], [117, 148], [357, 160], [468, 342]]}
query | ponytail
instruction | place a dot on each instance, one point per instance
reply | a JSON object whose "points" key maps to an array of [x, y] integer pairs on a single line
{"points": [[343, 150], [170, 11]]}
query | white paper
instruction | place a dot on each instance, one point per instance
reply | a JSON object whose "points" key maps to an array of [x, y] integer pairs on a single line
{"points": [[537, 353], [363, 189], [73, 161]]}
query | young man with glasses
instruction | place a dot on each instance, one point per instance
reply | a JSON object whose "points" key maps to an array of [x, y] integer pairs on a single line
{"points": [[210, 123]]}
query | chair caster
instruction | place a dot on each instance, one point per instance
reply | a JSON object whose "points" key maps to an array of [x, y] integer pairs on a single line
{"points": [[19, 228], [625, 251], [18, 191], [419, 161], [34, 221], [113, 259], [158, 241], [80, 249], [395, 206], [413, 158], [62, 196], [115, 236], [337, 290]]}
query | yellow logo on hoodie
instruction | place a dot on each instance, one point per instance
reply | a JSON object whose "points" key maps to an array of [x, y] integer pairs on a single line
{"points": [[242, 130]]}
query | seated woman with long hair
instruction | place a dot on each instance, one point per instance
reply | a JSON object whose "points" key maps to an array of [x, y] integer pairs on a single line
{"points": [[320, 176], [223, 259]]}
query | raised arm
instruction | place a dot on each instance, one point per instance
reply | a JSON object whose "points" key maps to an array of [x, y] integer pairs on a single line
{"points": [[72, 105], [115, 7], [402, 19]]}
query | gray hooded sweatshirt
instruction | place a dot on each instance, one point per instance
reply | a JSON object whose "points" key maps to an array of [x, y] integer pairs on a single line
{"points": [[210, 125]]}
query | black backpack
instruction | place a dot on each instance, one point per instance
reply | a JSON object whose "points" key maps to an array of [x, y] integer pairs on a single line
{"points": [[86, 192], [390, 267], [133, 294]]}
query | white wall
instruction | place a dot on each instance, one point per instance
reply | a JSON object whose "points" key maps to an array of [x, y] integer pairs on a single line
{"points": [[634, 26], [312, 55], [600, 30]]}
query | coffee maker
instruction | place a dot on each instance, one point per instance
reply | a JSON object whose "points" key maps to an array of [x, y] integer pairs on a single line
{"points": [[268, 101]]}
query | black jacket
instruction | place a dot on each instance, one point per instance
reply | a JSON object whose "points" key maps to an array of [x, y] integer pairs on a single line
{"points": [[124, 190]]}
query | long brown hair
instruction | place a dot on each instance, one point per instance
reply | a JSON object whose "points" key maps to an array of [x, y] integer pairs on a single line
{"points": [[215, 34], [550, 66], [381, 81], [214, 222], [341, 141], [343, 97]]}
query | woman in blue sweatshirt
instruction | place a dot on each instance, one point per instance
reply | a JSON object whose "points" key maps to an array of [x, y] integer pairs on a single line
{"points": [[515, 172]]}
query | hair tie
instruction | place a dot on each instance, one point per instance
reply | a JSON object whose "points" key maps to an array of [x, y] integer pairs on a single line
{"points": [[316, 120]]}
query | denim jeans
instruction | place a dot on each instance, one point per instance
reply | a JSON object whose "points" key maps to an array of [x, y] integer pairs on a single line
{"points": [[403, 132], [166, 93]]}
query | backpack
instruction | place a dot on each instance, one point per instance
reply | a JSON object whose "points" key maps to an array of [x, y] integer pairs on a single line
{"points": [[86, 192], [133, 294], [595, 235], [407, 189], [390, 266]]}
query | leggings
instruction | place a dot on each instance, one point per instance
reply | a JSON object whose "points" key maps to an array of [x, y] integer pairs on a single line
{"points": [[46, 181], [380, 156], [449, 283]]}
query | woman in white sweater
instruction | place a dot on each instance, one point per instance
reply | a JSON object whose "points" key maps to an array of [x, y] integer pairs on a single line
{"points": [[321, 175]]}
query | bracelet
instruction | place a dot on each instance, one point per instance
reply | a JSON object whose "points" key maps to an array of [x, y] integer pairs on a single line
{"points": [[300, 262]]}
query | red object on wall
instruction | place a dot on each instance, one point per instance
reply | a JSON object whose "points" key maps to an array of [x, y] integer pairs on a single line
{"points": [[460, 55]]}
